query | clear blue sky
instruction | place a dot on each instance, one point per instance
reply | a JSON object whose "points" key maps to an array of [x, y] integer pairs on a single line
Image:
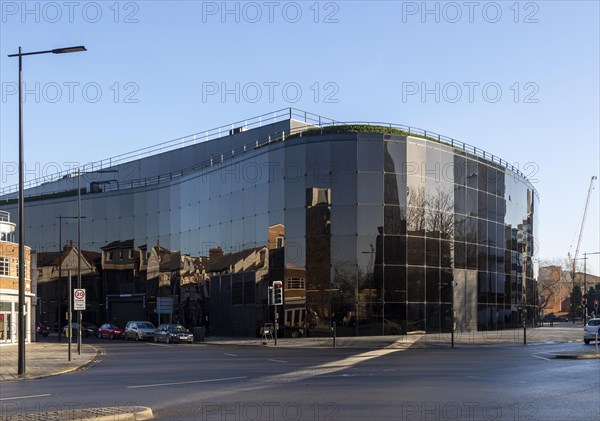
{"points": [[154, 61]]}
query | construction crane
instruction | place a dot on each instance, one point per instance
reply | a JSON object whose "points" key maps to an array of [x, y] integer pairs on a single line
{"points": [[573, 260]]}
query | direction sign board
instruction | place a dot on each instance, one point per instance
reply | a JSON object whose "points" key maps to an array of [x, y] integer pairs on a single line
{"points": [[164, 305], [79, 299]]}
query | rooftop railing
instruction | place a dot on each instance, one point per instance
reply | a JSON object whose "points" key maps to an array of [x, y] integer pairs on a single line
{"points": [[312, 121], [4, 216]]}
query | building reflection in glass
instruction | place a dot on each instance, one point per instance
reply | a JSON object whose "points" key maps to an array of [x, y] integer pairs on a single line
{"points": [[381, 234]]}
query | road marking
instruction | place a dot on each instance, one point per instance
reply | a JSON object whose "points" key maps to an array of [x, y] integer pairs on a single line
{"points": [[161, 345], [275, 361], [190, 382], [230, 355], [349, 375], [26, 397], [473, 377], [541, 358], [339, 365]]}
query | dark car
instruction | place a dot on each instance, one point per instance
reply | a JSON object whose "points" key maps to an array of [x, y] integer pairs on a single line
{"points": [[87, 329], [173, 333], [42, 329], [554, 318], [111, 331]]}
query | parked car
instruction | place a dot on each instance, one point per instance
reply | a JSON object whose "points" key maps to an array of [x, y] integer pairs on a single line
{"points": [[139, 330], [109, 330], [554, 318], [173, 333], [590, 330], [87, 329], [42, 329]]}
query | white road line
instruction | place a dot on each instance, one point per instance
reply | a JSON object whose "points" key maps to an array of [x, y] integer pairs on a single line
{"points": [[276, 361], [541, 358], [230, 355], [190, 382], [26, 397], [161, 345]]}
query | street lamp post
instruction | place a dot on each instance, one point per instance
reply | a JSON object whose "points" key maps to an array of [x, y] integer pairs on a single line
{"points": [[21, 314], [79, 318]]}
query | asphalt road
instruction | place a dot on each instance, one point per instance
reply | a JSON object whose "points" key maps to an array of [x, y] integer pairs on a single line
{"points": [[210, 382]]}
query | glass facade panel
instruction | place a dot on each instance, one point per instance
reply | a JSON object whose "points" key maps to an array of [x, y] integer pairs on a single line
{"points": [[415, 283], [370, 156], [370, 189], [395, 283]]}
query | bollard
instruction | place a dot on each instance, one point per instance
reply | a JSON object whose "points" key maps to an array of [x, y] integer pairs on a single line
{"points": [[333, 331]]}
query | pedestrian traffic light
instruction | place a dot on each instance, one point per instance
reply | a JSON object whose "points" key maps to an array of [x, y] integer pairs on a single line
{"points": [[277, 293]]}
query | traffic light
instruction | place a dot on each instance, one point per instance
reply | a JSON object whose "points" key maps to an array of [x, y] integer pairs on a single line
{"points": [[277, 293]]}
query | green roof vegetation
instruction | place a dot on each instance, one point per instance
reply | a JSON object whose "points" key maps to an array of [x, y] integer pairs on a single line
{"points": [[359, 128]]}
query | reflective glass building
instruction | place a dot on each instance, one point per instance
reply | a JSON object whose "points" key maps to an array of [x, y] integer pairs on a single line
{"points": [[380, 229]]}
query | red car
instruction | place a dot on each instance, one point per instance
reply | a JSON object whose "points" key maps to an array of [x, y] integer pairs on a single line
{"points": [[109, 330]]}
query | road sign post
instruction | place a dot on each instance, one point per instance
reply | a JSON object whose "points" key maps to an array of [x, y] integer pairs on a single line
{"points": [[69, 319]]}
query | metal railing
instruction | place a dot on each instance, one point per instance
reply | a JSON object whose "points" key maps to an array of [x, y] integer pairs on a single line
{"points": [[312, 121], [203, 136], [4, 216]]}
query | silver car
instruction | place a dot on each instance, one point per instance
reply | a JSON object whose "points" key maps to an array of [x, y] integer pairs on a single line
{"points": [[139, 330], [173, 333], [590, 330]]}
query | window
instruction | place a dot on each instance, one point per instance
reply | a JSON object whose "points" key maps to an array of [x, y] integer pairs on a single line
{"points": [[120, 254], [279, 242], [295, 283], [4, 266], [130, 254], [109, 256]]}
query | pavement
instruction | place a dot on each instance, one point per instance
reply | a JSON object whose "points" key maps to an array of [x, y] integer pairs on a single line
{"points": [[45, 359], [540, 335]]}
